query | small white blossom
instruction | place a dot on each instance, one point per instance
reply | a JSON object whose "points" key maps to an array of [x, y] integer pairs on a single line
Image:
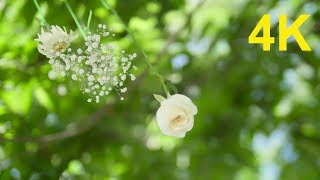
{"points": [[52, 75], [81, 71], [123, 77], [79, 51], [62, 90], [63, 73], [74, 77], [132, 77], [123, 90], [73, 57], [90, 78]]}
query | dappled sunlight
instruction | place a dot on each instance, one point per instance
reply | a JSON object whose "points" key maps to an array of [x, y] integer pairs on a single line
{"points": [[154, 139], [144, 89]]}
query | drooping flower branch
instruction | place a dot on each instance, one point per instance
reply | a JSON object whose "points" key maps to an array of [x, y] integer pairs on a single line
{"points": [[100, 68]]}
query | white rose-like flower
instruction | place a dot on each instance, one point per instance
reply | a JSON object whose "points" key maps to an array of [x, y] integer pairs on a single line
{"points": [[175, 115], [54, 42]]}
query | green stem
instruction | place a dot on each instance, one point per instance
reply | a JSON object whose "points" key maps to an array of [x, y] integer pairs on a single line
{"points": [[43, 20], [75, 19], [165, 87], [154, 71], [89, 20]]}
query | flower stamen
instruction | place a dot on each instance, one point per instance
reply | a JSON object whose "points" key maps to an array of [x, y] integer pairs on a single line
{"points": [[60, 46], [177, 121]]}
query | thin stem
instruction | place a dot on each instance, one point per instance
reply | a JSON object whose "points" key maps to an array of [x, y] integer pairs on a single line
{"points": [[75, 19], [165, 87], [43, 20], [89, 20], [106, 5], [154, 71]]}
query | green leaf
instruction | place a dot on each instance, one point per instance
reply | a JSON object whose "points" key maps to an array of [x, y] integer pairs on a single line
{"points": [[44, 98], [3, 109], [19, 98], [75, 167], [159, 97], [172, 87]]}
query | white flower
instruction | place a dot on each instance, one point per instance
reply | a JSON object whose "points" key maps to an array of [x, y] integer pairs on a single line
{"points": [[97, 65], [175, 115], [54, 42]]}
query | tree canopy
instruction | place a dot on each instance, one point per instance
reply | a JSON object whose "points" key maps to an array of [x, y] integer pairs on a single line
{"points": [[258, 111]]}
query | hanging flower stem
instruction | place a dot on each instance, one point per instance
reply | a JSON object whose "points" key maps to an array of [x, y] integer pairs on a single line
{"points": [[42, 19], [75, 19], [154, 71]]}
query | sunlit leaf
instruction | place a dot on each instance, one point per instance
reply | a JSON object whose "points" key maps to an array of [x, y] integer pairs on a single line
{"points": [[44, 98], [19, 98]]}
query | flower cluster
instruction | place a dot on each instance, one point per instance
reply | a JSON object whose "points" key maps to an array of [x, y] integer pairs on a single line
{"points": [[99, 66]]}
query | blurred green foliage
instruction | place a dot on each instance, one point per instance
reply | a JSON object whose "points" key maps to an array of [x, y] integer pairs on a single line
{"points": [[258, 111]]}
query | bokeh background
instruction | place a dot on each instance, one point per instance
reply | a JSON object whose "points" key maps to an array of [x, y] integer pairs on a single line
{"points": [[259, 112]]}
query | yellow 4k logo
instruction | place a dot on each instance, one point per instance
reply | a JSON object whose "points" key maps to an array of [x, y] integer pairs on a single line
{"points": [[284, 33]]}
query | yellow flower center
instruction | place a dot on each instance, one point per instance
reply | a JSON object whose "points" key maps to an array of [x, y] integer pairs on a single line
{"points": [[60, 47], [177, 121]]}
